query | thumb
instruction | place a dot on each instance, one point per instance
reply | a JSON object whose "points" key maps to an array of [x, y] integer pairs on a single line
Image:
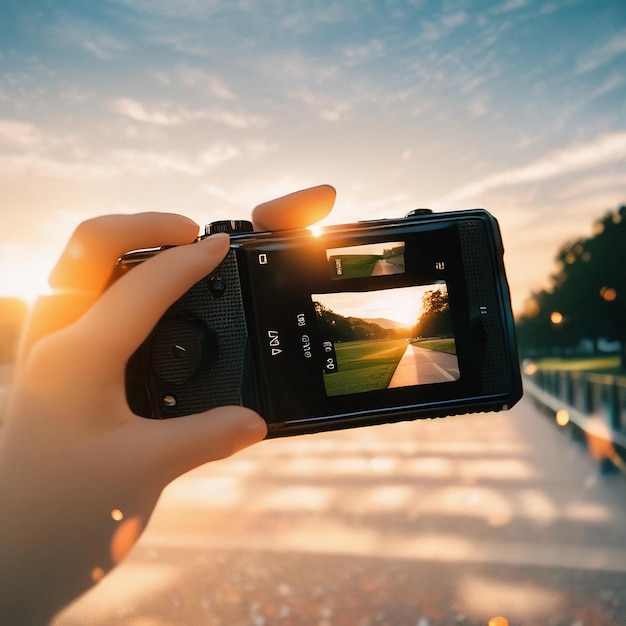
{"points": [[183, 443]]}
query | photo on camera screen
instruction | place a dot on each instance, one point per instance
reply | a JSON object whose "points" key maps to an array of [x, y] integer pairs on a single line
{"points": [[375, 259], [388, 338]]}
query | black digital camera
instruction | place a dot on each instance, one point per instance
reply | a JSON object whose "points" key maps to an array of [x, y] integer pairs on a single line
{"points": [[361, 324]]}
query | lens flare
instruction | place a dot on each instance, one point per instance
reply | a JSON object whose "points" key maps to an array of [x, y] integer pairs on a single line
{"points": [[556, 317], [608, 294], [562, 417], [117, 515], [97, 574]]}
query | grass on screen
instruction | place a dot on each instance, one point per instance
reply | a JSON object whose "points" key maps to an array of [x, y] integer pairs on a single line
{"points": [[439, 345], [364, 365]]}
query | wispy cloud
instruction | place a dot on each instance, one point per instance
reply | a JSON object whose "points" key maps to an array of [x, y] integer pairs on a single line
{"points": [[18, 134], [433, 30], [140, 113], [167, 9], [169, 114], [207, 83], [145, 163], [602, 151], [510, 5], [327, 108], [355, 54], [603, 53], [58, 158], [89, 37], [51, 167]]}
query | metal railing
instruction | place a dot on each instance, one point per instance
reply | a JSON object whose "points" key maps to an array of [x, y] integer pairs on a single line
{"points": [[595, 405]]}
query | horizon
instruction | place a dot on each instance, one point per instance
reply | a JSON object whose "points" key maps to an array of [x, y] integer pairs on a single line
{"points": [[402, 305]]}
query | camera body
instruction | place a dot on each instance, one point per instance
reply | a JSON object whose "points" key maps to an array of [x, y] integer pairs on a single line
{"points": [[366, 323]]}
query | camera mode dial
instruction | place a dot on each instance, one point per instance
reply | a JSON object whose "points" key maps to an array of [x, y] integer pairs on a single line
{"points": [[418, 212], [228, 226]]}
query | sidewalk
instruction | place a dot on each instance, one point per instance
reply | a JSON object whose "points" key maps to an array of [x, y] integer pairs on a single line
{"points": [[437, 522]]}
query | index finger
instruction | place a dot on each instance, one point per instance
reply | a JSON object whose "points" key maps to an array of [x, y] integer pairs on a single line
{"points": [[86, 265], [96, 245], [127, 312]]}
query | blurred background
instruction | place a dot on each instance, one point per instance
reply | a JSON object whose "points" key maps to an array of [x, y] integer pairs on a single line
{"points": [[208, 108]]}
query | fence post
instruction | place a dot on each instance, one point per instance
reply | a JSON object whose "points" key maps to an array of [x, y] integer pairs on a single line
{"points": [[615, 407]]}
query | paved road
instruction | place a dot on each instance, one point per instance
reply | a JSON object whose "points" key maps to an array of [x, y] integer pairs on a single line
{"points": [[384, 268], [438, 522], [419, 366]]}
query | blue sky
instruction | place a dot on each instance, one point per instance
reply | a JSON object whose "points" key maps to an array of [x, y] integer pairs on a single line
{"points": [[208, 108]]}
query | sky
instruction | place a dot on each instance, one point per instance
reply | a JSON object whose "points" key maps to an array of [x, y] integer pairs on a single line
{"points": [[207, 108], [403, 305]]}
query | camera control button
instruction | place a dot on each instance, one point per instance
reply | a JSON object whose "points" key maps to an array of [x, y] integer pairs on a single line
{"points": [[169, 401], [217, 285], [419, 212]]}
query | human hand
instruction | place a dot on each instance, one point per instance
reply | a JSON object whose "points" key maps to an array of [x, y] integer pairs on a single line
{"points": [[80, 474]]}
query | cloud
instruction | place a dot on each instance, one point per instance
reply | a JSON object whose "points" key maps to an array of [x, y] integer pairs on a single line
{"points": [[603, 53], [478, 107], [146, 163], [149, 163], [19, 134], [168, 9], [615, 81], [233, 119], [138, 112], [169, 114], [433, 30], [603, 150], [362, 53], [510, 5], [88, 36], [34, 164], [207, 83], [328, 109]]}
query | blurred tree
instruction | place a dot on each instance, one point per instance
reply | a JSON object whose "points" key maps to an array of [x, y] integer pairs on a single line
{"points": [[587, 299]]}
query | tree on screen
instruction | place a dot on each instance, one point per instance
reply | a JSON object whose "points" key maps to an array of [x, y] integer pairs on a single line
{"points": [[435, 321]]}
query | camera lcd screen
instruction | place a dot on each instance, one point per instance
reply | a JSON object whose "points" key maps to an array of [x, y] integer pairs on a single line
{"points": [[376, 259], [386, 338]]}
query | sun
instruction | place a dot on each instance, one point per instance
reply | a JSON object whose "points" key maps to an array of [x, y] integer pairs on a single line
{"points": [[24, 276]]}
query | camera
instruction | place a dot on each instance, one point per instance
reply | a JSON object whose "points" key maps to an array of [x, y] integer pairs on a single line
{"points": [[359, 324]]}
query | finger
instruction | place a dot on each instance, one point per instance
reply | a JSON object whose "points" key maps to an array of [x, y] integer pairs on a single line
{"points": [[126, 313], [86, 265], [296, 210], [179, 444], [90, 256], [50, 313]]}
